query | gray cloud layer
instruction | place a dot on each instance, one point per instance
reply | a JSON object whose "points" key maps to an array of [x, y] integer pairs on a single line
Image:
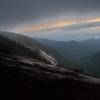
{"points": [[13, 12]]}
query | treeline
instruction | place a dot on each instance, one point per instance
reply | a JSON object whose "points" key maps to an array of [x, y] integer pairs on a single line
{"points": [[11, 47]]}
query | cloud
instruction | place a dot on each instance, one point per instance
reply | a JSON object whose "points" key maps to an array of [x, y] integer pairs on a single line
{"points": [[15, 12], [62, 24]]}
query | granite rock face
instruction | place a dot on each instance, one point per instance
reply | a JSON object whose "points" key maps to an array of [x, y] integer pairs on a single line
{"points": [[24, 78]]}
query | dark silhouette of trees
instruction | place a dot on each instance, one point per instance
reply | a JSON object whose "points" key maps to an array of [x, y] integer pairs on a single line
{"points": [[11, 47]]}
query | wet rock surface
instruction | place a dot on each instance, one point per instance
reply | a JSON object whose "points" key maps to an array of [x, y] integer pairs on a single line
{"points": [[29, 79]]}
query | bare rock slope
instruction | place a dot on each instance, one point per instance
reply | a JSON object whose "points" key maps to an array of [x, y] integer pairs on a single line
{"points": [[24, 78]]}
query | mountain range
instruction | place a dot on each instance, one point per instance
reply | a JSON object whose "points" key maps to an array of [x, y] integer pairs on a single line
{"points": [[75, 55], [71, 49], [78, 54], [32, 73]]}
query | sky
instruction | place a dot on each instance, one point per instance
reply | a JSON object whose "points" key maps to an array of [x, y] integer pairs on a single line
{"points": [[51, 19]]}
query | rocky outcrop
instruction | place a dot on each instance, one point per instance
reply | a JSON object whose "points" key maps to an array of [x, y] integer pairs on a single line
{"points": [[48, 58], [24, 78]]}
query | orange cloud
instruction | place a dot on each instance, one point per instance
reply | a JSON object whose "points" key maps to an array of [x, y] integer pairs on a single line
{"points": [[57, 25]]}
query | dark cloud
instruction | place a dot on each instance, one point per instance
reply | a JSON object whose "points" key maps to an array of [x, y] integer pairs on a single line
{"points": [[83, 26], [13, 12]]}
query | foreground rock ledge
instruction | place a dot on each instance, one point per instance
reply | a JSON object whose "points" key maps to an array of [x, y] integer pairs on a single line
{"points": [[28, 79]]}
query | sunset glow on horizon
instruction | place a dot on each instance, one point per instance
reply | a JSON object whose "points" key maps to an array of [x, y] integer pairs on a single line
{"points": [[60, 24]]}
